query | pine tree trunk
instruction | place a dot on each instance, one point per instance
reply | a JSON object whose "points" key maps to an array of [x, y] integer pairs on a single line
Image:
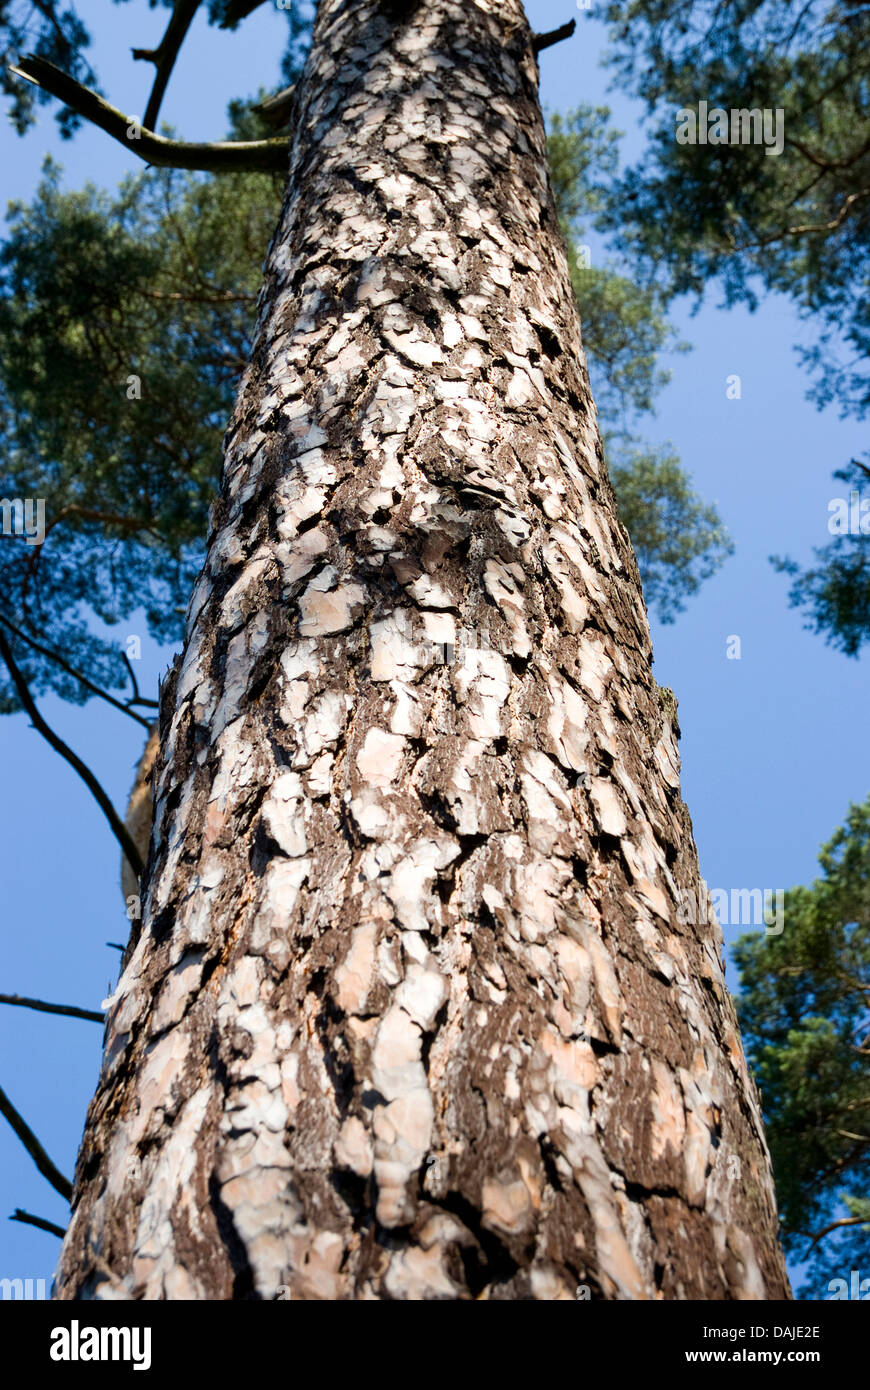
{"points": [[412, 1013]]}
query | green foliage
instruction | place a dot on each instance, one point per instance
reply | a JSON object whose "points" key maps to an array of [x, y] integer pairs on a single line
{"points": [[806, 1026], [625, 328], [152, 292], [835, 593], [793, 222], [124, 324], [797, 223], [679, 540], [584, 157], [50, 31]]}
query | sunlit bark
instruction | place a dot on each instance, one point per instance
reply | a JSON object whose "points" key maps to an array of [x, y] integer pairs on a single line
{"points": [[412, 1014]]}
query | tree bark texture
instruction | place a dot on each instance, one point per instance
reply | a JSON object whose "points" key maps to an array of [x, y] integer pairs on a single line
{"points": [[411, 1014]]}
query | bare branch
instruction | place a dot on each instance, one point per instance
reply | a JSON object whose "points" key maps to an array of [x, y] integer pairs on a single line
{"points": [[821, 162], [34, 1148], [28, 1219], [163, 57], [77, 675], [826, 1230], [41, 1007], [119, 830], [542, 41], [136, 697], [218, 157]]}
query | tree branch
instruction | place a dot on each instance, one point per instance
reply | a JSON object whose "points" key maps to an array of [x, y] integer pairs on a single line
{"points": [[77, 675], [34, 1148], [41, 1007], [819, 159], [119, 829], [29, 1220], [759, 243], [542, 41], [223, 156], [136, 698], [844, 1221], [228, 297], [124, 523], [164, 55], [132, 674]]}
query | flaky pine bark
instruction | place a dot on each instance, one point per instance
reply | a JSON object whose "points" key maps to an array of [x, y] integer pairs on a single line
{"points": [[411, 1014], [139, 813]]}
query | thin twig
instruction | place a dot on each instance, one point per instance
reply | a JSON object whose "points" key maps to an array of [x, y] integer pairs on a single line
{"points": [[126, 523], [40, 1006], [34, 1148], [28, 1219], [119, 830], [808, 228], [826, 1230], [133, 681], [136, 698], [77, 675], [821, 162], [214, 157]]}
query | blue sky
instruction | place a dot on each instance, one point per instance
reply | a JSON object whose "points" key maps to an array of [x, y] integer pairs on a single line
{"points": [[772, 746]]}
